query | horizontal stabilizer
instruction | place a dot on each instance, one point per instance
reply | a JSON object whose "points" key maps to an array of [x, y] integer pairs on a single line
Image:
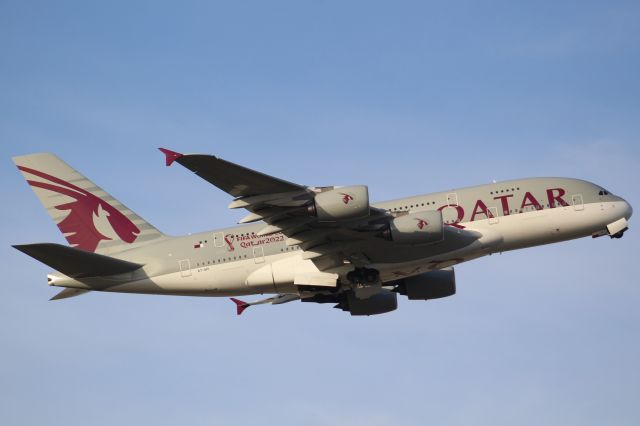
{"points": [[76, 263], [69, 292]]}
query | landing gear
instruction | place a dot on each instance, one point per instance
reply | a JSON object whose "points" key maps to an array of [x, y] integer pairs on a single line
{"points": [[618, 234], [365, 282], [617, 228], [363, 276], [371, 276]]}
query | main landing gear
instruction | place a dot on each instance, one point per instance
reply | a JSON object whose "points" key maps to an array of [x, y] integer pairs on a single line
{"points": [[363, 276]]}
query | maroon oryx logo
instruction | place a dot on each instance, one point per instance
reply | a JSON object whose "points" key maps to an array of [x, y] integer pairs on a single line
{"points": [[421, 223], [79, 226], [346, 197]]}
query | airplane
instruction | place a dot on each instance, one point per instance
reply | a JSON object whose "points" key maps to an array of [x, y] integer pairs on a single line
{"points": [[324, 244]]}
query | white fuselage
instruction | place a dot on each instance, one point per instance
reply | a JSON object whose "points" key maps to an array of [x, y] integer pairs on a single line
{"points": [[235, 262]]}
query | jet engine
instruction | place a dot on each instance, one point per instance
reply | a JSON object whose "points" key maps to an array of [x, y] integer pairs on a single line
{"points": [[344, 203], [416, 228], [380, 303], [430, 285]]}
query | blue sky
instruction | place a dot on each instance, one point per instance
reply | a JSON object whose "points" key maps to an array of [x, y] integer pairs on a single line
{"points": [[406, 97]]}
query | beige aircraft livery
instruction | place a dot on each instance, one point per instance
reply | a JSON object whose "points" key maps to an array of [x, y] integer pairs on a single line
{"points": [[314, 244]]}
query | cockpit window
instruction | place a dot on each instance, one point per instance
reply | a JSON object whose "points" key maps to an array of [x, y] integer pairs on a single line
{"points": [[603, 192]]}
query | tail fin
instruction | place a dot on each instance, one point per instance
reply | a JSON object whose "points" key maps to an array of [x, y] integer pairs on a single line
{"points": [[88, 217]]}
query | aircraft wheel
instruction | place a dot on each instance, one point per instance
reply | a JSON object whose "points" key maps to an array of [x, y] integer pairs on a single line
{"points": [[371, 276], [363, 275]]}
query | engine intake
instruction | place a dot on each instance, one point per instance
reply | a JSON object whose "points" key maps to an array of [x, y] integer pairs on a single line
{"points": [[416, 228], [345, 203], [430, 285]]}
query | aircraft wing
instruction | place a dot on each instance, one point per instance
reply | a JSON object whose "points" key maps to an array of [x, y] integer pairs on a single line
{"points": [[278, 299], [233, 179], [296, 211]]}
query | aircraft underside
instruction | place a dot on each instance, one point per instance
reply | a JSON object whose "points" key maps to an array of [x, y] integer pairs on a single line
{"points": [[322, 245]]}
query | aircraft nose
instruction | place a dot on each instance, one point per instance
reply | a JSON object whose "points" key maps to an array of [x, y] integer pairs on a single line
{"points": [[628, 210]]}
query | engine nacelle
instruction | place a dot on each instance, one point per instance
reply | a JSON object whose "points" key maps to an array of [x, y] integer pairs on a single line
{"points": [[417, 228], [380, 303], [346, 203], [430, 285]]}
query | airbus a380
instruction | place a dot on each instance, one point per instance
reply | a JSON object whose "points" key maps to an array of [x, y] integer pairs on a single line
{"points": [[314, 244]]}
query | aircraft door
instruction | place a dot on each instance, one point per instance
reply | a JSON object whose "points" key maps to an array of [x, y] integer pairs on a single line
{"points": [[185, 268], [451, 212], [258, 254], [577, 202], [218, 239]]}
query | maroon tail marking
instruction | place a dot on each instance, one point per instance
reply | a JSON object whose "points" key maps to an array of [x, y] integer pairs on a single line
{"points": [[79, 222]]}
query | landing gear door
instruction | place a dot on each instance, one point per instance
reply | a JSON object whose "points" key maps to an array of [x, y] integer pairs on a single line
{"points": [[577, 202]]}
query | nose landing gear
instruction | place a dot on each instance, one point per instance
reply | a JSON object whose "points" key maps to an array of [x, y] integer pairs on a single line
{"points": [[617, 228], [619, 234]]}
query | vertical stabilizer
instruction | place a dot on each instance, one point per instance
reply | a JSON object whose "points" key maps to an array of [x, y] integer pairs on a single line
{"points": [[88, 217]]}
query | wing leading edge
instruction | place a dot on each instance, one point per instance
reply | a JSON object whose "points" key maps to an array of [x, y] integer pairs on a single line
{"points": [[232, 178], [295, 211]]}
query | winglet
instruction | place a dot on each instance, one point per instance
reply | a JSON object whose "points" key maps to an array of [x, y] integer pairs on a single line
{"points": [[171, 156], [240, 305]]}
